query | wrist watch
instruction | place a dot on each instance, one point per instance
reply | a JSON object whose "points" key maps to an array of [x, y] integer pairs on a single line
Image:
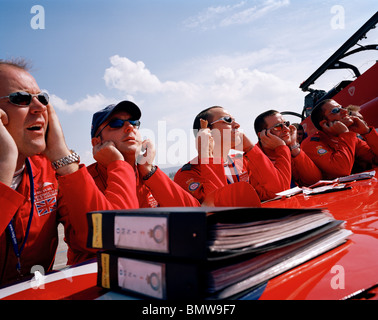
{"points": [[148, 175], [71, 158], [297, 145]]}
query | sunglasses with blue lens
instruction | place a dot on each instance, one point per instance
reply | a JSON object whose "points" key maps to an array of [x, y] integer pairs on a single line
{"points": [[336, 110], [118, 123]]}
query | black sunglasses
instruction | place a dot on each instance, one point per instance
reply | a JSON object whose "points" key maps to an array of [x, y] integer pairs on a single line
{"points": [[279, 126], [118, 123], [22, 98]]}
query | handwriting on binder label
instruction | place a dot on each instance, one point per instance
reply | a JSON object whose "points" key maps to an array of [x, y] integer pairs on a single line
{"points": [[97, 230], [141, 233], [142, 277], [105, 264]]}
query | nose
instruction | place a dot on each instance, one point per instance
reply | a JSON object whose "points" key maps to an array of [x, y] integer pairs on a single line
{"points": [[285, 128], [127, 127], [235, 125], [36, 106]]}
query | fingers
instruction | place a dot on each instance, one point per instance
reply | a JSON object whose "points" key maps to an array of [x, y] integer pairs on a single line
{"points": [[148, 155], [269, 140], [3, 117], [203, 124], [106, 152]]}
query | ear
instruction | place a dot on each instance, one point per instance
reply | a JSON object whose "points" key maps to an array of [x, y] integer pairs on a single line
{"points": [[323, 123], [95, 141]]}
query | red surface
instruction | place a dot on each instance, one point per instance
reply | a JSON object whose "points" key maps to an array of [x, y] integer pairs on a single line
{"points": [[57, 290], [357, 259], [360, 90]]}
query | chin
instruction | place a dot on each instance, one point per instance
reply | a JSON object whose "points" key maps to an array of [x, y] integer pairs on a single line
{"points": [[32, 150]]}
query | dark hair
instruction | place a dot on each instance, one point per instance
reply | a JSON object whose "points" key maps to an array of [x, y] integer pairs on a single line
{"points": [[205, 115], [260, 124], [298, 126], [317, 113]]}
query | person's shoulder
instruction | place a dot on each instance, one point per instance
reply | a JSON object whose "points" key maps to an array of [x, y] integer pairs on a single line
{"points": [[315, 137], [188, 169]]}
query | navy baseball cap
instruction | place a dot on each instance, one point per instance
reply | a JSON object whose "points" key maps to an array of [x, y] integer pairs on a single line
{"points": [[100, 116]]}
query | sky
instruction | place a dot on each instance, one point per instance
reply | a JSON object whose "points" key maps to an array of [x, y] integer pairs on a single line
{"points": [[174, 58]]}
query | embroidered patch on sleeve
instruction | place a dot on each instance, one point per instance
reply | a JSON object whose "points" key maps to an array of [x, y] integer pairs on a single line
{"points": [[321, 151], [193, 186]]}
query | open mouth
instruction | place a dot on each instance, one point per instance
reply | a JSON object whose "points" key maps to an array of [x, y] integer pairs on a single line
{"points": [[35, 127]]}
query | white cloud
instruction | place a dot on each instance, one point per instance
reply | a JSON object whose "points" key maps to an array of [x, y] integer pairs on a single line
{"points": [[223, 16], [126, 75], [133, 77], [250, 14], [239, 83], [210, 16], [90, 103], [238, 80]]}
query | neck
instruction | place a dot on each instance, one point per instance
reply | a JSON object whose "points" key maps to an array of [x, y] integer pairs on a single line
{"points": [[130, 160], [20, 162]]}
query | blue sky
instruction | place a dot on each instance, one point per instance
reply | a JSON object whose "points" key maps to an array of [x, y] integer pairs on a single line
{"points": [[175, 58]]}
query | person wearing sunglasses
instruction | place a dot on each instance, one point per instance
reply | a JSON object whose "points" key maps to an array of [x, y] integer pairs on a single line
{"points": [[275, 135], [229, 169], [124, 159], [336, 148], [115, 136], [34, 160]]}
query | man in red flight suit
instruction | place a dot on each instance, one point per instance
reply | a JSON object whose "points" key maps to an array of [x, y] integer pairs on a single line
{"points": [[33, 163], [273, 131], [215, 177], [115, 136], [117, 146], [335, 148]]}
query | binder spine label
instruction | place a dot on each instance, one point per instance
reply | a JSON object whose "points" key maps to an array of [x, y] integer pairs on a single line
{"points": [[141, 233], [142, 277], [97, 230], [105, 275]]}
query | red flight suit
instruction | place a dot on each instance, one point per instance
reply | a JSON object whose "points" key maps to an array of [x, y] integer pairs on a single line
{"points": [[303, 169], [253, 167], [50, 209], [335, 156], [122, 188]]}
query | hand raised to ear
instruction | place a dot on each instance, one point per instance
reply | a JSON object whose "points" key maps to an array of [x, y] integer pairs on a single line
{"points": [[8, 151], [145, 160], [333, 128], [205, 141], [359, 126], [105, 152], [269, 140]]}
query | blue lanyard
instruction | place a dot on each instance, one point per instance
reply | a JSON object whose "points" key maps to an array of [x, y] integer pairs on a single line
{"points": [[11, 230], [235, 170]]}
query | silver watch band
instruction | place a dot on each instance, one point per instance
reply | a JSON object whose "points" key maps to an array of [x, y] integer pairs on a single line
{"points": [[71, 158], [296, 146]]}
